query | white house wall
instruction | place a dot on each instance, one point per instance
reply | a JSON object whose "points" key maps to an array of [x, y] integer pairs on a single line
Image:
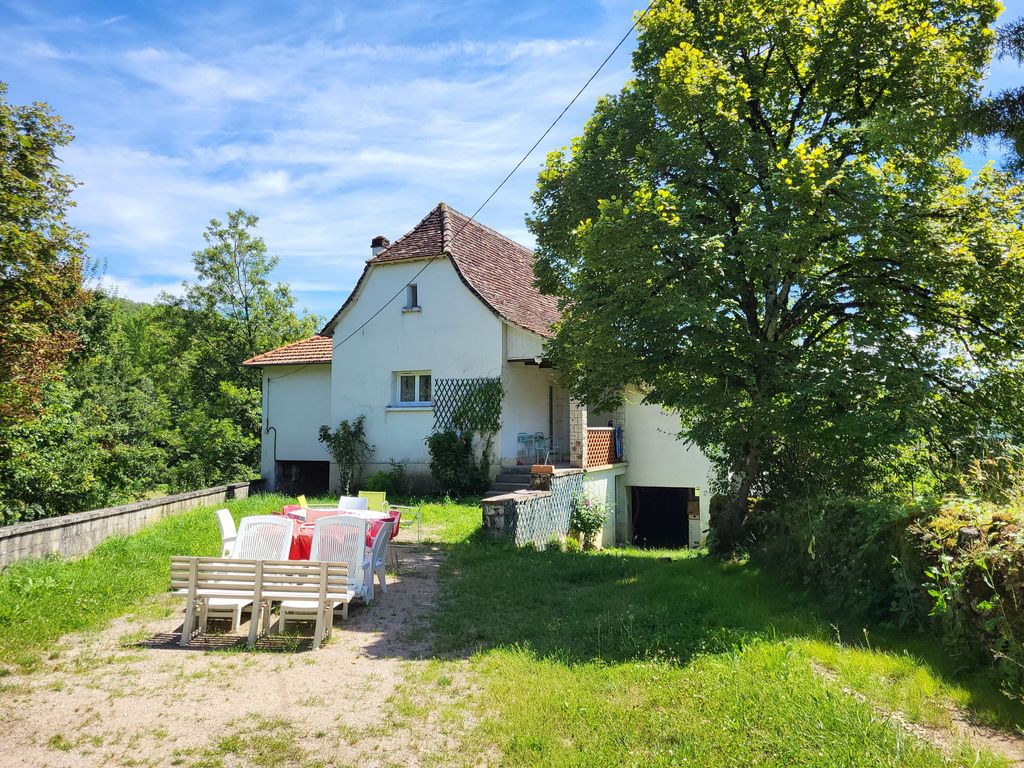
{"points": [[522, 345], [525, 408], [657, 457], [454, 335], [296, 401]]}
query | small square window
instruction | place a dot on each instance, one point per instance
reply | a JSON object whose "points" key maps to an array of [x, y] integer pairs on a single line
{"points": [[414, 388]]}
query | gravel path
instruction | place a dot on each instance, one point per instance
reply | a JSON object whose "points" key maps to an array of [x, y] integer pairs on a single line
{"points": [[129, 695]]}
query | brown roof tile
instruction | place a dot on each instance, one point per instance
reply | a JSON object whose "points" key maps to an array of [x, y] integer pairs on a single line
{"points": [[311, 351], [498, 270]]}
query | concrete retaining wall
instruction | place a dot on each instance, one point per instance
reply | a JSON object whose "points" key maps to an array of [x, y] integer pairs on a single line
{"points": [[80, 533]]}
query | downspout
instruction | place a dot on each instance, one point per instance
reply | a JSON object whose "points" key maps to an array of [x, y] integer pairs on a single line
{"points": [[267, 428]]}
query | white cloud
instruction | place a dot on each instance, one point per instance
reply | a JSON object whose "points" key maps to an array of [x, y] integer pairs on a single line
{"points": [[136, 289], [332, 127], [182, 75]]}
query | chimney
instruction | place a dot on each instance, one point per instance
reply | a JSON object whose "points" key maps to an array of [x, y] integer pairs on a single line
{"points": [[378, 244]]}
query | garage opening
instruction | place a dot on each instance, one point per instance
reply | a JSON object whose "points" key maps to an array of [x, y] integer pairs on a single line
{"points": [[308, 477], [661, 516]]}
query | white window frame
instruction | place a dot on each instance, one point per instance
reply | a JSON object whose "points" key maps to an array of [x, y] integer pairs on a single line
{"points": [[397, 400], [412, 297]]}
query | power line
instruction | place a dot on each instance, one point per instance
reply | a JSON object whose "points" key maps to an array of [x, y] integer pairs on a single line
{"points": [[511, 173]]}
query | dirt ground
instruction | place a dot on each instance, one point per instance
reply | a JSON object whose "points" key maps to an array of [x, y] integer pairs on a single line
{"points": [[129, 695]]}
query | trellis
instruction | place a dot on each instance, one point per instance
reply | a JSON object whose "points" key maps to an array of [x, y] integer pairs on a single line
{"points": [[467, 404], [539, 518]]}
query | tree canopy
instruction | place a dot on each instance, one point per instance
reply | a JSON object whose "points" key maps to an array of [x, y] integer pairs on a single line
{"points": [[769, 231], [41, 255], [153, 397], [1000, 116]]}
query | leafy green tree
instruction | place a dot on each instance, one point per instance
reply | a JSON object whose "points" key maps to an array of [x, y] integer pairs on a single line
{"points": [[349, 449], [100, 436], [234, 287], [769, 231], [1001, 115], [41, 255], [232, 312]]}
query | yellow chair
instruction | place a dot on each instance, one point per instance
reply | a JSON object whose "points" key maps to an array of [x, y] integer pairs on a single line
{"points": [[376, 500], [302, 501]]}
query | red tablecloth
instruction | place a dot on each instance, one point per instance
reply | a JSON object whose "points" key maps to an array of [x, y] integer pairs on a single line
{"points": [[302, 538]]}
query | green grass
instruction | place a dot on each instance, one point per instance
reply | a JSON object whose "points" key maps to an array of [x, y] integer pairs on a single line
{"points": [[448, 522], [607, 658], [40, 600], [621, 658]]}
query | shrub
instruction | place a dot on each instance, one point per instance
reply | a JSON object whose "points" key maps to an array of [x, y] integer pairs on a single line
{"points": [[390, 481], [853, 551], [349, 449], [953, 565], [588, 518], [453, 464], [974, 553]]}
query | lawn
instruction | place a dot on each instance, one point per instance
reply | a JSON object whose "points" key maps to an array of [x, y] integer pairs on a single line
{"points": [[40, 600], [625, 657], [622, 657]]}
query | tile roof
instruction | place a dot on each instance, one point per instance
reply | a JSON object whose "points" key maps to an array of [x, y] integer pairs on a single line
{"points": [[496, 269], [311, 351]]}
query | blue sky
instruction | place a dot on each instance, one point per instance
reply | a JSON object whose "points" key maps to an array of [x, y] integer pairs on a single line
{"points": [[333, 122]]}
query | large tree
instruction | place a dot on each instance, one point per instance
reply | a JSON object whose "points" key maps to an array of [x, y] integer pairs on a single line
{"points": [[232, 311], [234, 284], [41, 256], [1000, 115], [768, 230]]}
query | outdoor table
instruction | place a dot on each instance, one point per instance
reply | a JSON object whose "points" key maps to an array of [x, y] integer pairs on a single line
{"points": [[302, 534]]}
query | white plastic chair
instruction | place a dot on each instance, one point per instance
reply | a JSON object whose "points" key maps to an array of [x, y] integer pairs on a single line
{"points": [[222, 608], [227, 532], [342, 539], [377, 557], [263, 537], [356, 503], [259, 537]]}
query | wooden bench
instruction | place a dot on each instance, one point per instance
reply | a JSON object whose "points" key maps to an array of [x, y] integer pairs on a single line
{"points": [[202, 579]]}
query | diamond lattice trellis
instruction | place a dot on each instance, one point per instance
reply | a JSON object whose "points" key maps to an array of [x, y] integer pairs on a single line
{"points": [[467, 404]]}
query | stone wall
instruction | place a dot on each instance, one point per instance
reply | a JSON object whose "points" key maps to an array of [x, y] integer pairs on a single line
{"points": [[537, 515], [78, 534]]}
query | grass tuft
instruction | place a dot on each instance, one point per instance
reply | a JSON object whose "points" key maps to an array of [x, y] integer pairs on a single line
{"points": [[40, 600]]}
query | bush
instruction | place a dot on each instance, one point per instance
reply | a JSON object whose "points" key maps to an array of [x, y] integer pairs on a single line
{"points": [[954, 566], [588, 518], [974, 554], [453, 464], [854, 552], [390, 481], [349, 449]]}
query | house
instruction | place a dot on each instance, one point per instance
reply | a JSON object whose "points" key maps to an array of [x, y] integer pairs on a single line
{"points": [[452, 301]]}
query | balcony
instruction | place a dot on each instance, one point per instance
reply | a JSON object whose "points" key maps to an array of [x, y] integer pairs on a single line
{"points": [[600, 447]]}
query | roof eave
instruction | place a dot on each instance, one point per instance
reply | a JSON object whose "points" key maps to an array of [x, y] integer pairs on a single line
{"points": [[258, 364]]}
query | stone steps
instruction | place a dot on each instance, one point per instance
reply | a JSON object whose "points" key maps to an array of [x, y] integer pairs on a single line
{"points": [[510, 479]]}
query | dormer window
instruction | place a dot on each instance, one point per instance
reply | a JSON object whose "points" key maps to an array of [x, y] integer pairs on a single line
{"points": [[412, 298]]}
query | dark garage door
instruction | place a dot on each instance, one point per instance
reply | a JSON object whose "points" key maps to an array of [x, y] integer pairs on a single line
{"points": [[660, 516], [308, 477]]}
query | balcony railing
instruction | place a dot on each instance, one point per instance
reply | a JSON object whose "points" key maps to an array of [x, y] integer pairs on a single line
{"points": [[601, 447]]}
